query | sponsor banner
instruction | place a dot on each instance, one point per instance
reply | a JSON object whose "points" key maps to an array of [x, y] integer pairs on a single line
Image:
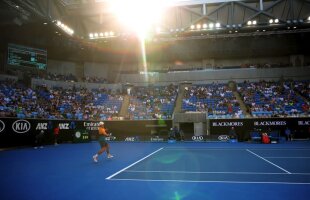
{"points": [[303, 122], [270, 123], [157, 139], [197, 138], [91, 126], [111, 138], [243, 127], [2, 126], [227, 123], [132, 139], [17, 132], [81, 136], [223, 138], [21, 126]]}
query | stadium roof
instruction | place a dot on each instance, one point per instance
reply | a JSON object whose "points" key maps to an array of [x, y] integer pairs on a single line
{"points": [[49, 22]]}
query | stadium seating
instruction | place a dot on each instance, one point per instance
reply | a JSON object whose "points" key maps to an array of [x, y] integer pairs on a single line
{"points": [[267, 99], [263, 99], [152, 102], [215, 99]]}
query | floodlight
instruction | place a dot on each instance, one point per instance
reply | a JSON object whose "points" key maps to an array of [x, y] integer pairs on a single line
{"points": [[249, 23], [211, 25], [192, 27], [204, 26], [198, 26], [136, 14], [158, 30], [276, 21], [217, 25], [270, 21]]}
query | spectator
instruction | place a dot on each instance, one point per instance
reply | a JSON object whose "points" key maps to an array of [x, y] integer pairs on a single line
{"points": [[56, 134], [39, 140], [288, 134], [232, 133]]}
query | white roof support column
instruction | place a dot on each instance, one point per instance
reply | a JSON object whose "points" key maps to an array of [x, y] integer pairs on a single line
{"points": [[204, 9], [261, 4]]}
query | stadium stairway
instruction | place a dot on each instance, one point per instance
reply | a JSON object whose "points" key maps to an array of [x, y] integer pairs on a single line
{"points": [[124, 109], [178, 104], [241, 103]]}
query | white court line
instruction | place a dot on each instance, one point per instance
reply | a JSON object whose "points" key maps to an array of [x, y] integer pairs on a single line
{"points": [[233, 182], [288, 157], [203, 149], [280, 149], [134, 163], [189, 172], [219, 148], [268, 161]]}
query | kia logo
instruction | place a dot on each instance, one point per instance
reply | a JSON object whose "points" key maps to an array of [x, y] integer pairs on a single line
{"points": [[21, 126], [2, 126]]}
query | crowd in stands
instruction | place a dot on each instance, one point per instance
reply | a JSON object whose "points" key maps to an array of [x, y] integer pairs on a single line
{"points": [[57, 103], [303, 87], [57, 77], [94, 79], [152, 102], [215, 99], [262, 99], [272, 99]]}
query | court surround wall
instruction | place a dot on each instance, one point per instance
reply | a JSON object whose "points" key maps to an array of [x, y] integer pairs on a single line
{"points": [[21, 132]]}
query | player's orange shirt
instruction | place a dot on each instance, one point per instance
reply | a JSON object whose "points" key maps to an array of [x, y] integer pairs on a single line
{"points": [[102, 131]]}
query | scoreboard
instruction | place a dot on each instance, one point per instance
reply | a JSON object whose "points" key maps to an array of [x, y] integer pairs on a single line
{"points": [[23, 56]]}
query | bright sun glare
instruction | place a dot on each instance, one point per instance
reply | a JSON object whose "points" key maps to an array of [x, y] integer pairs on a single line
{"points": [[138, 15]]}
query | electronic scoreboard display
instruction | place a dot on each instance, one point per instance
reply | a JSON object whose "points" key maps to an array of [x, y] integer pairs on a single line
{"points": [[23, 56]]}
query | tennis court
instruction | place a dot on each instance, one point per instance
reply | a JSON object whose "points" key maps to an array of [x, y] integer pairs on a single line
{"points": [[221, 165], [158, 171]]}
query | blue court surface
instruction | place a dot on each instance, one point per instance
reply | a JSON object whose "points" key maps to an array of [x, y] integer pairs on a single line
{"points": [[158, 171]]}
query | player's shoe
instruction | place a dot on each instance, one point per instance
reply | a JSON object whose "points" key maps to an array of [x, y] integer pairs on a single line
{"points": [[95, 158], [110, 156]]}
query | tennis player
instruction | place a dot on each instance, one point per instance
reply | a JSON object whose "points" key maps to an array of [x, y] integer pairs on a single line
{"points": [[102, 141]]}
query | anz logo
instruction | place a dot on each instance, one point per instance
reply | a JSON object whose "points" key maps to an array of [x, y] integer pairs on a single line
{"points": [[64, 126], [2, 126], [41, 126], [21, 126]]}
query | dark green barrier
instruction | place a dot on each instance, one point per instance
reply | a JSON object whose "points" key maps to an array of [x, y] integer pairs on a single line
{"points": [[19, 132], [300, 127]]}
